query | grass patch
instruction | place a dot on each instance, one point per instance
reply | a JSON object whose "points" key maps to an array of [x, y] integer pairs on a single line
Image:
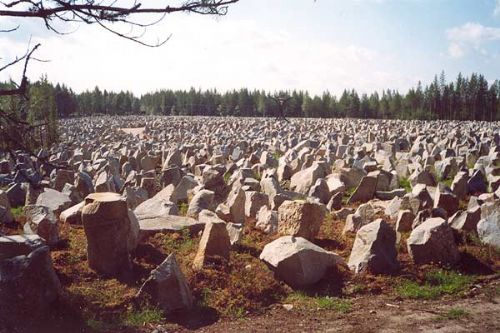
{"points": [[227, 176], [447, 182], [456, 313], [304, 301], [452, 314], [405, 183], [142, 317], [347, 194], [17, 212], [181, 243], [436, 284], [276, 155], [183, 208]]}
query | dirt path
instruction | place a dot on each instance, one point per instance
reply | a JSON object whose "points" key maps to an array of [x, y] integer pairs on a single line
{"points": [[480, 313]]}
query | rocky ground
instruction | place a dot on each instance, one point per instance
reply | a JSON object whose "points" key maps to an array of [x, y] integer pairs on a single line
{"points": [[141, 224]]}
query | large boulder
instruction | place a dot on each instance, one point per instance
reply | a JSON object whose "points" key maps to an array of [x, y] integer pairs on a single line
{"points": [[300, 218], [362, 216], [433, 242], [303, 180], [466, 220], [5, 213], [168, 224], [200, 201], [73, 215], [42, 222], [366, 189], [56, 201], [374, 249], [405, 220], [111, 233], [167, 287], [267, 220], [254, 201], [214, 245], [446, 200], [488, 228], [158, 206], [236, 205], [297, 261], [28, 283]]}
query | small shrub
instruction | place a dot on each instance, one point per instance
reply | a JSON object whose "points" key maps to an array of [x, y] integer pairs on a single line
{"points": [[405, 183], [183, 208]]}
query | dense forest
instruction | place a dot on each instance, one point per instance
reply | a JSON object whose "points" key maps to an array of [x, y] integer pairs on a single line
{"points": [[467, 98]]}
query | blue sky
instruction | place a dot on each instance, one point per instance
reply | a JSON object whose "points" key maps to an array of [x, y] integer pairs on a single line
{"points": [[280, 44]]}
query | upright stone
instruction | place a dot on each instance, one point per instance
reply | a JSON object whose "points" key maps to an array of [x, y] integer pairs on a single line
{"points": [[109, 231], [433, 242], [214, 245], [300, 218], [168, 287], [374, 249], [41, 221]]}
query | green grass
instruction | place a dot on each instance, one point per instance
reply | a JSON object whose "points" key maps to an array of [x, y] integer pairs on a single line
{"points": [[436, 284], [276, 155], [447, 182], [302, 300], [452, 314], [141, 317], [227, 176], [456, 313], [405, 183], [17, 212], [347, 194], [181, 244]]}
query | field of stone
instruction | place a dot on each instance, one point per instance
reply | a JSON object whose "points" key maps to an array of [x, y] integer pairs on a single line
{"points": [[167, 224]]}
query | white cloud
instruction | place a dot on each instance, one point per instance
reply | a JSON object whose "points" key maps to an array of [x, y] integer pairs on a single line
{"points": [[470, 36], [456, 50], [207, 53]]}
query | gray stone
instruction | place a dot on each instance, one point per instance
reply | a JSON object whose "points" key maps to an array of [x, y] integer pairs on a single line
{"points": [[28, 282], [267, 220], [366, 189], [167, 287], [201, 200], [214, 245], [297, 261], [374, 249], [300, 218], [41, 221], [433, 242], [488, 229], [56, 201], [405, 221], [168, 224], [254, 201], [109, 233]]}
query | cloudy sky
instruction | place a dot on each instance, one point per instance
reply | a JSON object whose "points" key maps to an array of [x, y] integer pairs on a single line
{"points": [[277, 44]]}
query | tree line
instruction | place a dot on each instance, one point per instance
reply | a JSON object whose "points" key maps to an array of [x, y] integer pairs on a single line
{"points": [[466, 98]]}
